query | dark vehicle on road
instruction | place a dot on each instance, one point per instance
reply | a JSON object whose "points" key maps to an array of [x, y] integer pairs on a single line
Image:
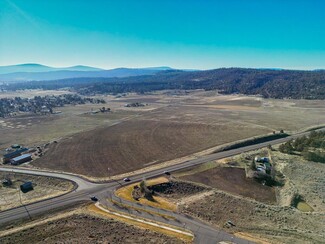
{"points": [[93, 198]]}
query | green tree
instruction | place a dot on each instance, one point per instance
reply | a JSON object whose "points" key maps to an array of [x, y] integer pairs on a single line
{"points": [[287, 147]]}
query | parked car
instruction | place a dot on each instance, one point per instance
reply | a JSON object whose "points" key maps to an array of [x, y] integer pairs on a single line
{"points": [[126, 179], [166, 173], [93, 198]]}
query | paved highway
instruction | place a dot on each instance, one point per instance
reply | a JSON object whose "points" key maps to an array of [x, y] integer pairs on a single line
{"points": [[84, 189]]}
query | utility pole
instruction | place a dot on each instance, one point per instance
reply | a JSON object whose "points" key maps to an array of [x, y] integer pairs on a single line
{"points": [[21, 202]]}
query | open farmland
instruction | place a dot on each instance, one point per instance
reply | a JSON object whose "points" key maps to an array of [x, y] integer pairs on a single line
{"points": [[33, 130], [32, 93], [135, 144], [173, 126]]}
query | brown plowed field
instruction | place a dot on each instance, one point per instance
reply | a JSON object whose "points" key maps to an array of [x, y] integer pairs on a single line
{"points": [[234, 180], [135, 144]]}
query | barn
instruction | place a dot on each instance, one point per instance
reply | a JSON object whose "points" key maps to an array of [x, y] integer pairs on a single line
{"points": [[21, 159], [7, 157]]}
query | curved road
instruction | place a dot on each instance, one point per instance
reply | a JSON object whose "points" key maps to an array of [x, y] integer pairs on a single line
{"points": [[84, 189]]}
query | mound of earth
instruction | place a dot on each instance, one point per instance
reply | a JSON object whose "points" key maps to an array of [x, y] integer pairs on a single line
{"points": [[87, 229], [233, 180], [177, 189]]}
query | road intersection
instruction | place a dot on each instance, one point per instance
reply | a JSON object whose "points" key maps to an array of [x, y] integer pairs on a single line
{"points": [[203, 232]]}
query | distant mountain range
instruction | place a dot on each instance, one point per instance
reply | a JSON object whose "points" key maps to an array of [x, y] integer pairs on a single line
{"points": [[28, 72], [42, 68]]}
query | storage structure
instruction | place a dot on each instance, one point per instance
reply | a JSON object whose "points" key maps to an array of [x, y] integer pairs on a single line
{"points": [[27, 186], [21, 159], [7, 157]]}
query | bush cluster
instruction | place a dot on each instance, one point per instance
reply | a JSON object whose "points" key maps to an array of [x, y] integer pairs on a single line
{"points": [[311, 147]]}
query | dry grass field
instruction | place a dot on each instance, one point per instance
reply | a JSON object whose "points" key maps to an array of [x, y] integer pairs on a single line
{"points": [[44, 187], [172, 125], [84, 228], [30, 130], [274, 224]]}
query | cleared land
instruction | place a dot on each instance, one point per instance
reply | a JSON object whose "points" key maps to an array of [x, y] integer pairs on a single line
{"points": [[44, 187], [83, 228], [233, 180]]}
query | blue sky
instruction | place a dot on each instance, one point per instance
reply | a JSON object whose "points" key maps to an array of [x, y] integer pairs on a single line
{"points": [[182, 34]]}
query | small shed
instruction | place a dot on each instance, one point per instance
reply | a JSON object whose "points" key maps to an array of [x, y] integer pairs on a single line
{"points": [[27, 186], [15, 146]]}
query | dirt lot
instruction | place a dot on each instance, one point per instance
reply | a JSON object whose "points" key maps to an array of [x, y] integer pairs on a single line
{"points": [[87, 229], [44, 187], [233, 180]]}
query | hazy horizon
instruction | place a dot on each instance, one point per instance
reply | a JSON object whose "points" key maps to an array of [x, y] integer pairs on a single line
{"points": [[162, 66], [191, 35]]}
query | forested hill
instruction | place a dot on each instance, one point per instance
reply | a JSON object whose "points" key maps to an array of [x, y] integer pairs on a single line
{"points": [[268, 83]]}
